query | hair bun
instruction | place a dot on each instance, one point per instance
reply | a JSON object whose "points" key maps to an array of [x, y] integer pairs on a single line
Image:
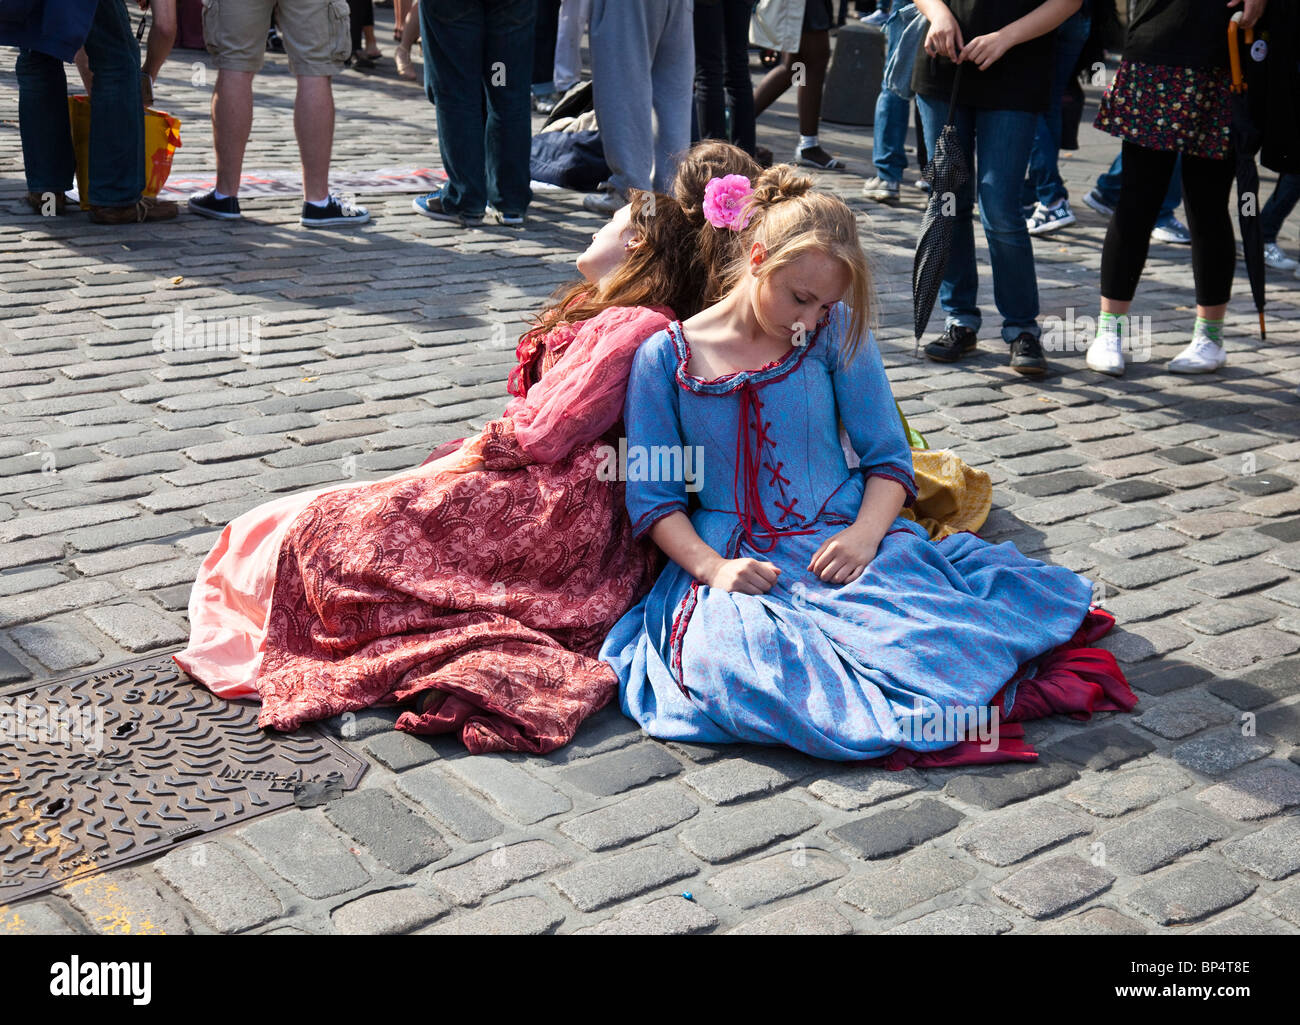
{"points": [[779, 183]]}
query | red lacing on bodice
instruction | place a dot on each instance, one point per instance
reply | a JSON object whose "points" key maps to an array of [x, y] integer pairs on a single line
{"points": [[749, 460]]}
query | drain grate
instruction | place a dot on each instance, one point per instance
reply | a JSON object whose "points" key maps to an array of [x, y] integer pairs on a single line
{"points": [[97, 771]]}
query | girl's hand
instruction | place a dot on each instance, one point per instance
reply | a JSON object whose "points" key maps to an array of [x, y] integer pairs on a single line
{"points": [[986, 49], [944, 37], [1251, 10], [842, 558], [744, 576]]}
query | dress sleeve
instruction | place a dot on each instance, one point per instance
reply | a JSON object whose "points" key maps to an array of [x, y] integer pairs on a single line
{"points": [[579, 398], [653, 418], [867, 409]]}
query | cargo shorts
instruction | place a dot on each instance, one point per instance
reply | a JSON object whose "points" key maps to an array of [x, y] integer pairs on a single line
{"points": [[316, 33]]}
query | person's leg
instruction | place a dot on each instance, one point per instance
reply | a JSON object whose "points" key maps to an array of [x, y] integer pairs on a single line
{"points": [[49, 162], [710, 70], [672, 69], [774, 83], [356, 21], [1286, 193], [313, 124], [116, 109], [1109, 181], [453, 38], [622, 90], [959, 293], [236, 37], [510, 40], [1144, 180], [574, 15], [815, 54], [1207, 185], [316, 40], [740, 87], [1003, 139], [889, 130], [1044, 171], [232, 119], [546, 26]]}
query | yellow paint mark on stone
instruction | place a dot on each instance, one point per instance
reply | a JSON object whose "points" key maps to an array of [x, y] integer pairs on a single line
{"points": [[116, 916]]}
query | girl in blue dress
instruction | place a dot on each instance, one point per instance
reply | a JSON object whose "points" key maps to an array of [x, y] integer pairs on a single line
{"points": [[798, 607]]}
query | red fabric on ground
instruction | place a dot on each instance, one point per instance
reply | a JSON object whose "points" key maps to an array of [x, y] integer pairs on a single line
{"points": [[1073, 679]]}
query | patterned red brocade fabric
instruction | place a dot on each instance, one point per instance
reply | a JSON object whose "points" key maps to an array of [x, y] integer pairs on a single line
{"points": [[495, 587]]}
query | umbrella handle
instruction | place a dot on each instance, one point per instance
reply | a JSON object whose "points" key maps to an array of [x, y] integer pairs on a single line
{"points": [[952, 101], [1234, 54]]}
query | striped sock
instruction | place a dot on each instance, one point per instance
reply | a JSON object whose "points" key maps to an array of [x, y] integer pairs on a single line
{"points": [[1111, 324], [1211, 329]]}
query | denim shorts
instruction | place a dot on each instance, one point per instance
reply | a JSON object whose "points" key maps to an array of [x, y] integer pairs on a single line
{"points": [[316, 33]]}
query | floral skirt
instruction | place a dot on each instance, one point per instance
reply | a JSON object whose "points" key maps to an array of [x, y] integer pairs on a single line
{"points": [[1169, 108]]}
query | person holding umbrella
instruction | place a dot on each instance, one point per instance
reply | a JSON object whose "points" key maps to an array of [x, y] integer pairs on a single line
{"points": [[1004, 50], [1171, 95]]}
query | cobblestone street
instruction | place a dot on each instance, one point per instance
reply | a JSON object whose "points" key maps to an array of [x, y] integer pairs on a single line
{"points": [[1177, 495]]}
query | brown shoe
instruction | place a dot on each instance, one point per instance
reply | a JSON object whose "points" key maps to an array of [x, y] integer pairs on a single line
{"points": [[144, 209], [36, 200]]}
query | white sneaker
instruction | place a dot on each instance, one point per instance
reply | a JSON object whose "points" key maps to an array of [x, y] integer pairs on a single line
{"points": [[1276, 258], [1106, 355], [1200, 357], [880, 189], [1171, 229]]}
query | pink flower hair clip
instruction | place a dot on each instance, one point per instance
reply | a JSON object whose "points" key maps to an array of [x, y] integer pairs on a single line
{"points": [[724, 201]]}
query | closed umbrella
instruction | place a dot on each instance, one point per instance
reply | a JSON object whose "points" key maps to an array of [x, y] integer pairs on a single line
{"points": [[1245, 138], [947, 171]]}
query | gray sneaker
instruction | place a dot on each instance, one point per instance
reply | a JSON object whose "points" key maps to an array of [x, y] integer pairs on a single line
{"points": [[882, 190], [603, 202]]}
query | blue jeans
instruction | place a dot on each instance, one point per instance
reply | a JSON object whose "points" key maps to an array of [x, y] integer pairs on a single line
{"points": [[1279, 206], [1044, 183], [889, 131], [478, 58], [999, 142], [116, 163], [1108, 183]]}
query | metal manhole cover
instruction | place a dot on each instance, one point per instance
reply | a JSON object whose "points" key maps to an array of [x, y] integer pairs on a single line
{"points": [[97, 771]]}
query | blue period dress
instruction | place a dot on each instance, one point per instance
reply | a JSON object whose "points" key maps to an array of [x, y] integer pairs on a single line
{"points": [[834, 670]]}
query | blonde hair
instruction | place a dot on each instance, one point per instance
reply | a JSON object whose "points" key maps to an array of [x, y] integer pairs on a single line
{"points": [[790, 219]]}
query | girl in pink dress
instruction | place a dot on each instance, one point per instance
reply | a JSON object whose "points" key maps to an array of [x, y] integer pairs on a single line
{"points": [[482, 582]]}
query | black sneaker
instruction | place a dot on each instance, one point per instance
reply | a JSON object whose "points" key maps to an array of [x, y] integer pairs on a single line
{"points": [[206, 204], [1027, 355], [955, 343], [336, 212]]}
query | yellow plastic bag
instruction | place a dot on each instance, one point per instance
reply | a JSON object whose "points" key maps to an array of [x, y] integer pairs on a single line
{"points": [[162, 137]]}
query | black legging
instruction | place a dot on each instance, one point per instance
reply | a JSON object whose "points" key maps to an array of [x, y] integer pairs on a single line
{"points": [[360, 14], [1144, 181], [722, 70]]}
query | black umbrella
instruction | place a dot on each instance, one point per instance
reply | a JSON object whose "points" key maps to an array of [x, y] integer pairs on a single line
{"points": [[1245, 138], [947, 171]]}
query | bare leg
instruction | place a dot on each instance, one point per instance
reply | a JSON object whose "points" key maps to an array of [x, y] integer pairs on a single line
{"points": [[815, 53], [232, 119], [313, 123], [774, 83]]}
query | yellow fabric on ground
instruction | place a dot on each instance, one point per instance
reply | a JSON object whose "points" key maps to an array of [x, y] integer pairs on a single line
{"points": [[950, 496]]}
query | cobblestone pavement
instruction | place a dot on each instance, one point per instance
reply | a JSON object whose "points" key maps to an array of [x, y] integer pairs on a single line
{"points": [[119, 464]]}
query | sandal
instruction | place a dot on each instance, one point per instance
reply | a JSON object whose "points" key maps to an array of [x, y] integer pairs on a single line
{"points": [[815, 156]]}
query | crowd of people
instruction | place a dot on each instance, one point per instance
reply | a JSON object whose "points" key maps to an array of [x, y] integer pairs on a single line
{"points": [[664, 73], [755, 597]]}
